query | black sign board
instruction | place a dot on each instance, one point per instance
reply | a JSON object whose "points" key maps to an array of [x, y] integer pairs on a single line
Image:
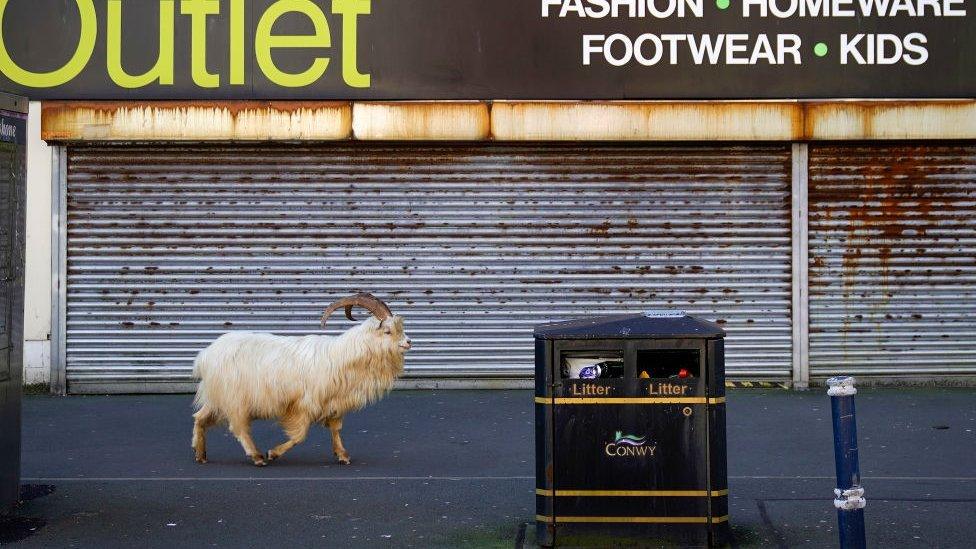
{"points": [[488, 49], [13, 167]]}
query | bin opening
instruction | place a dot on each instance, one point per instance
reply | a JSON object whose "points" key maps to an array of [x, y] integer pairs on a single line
{"points": [[592, 365], [668, 363]]}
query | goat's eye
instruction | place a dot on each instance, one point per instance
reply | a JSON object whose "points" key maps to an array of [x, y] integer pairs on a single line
{"points": [[388, 332]]}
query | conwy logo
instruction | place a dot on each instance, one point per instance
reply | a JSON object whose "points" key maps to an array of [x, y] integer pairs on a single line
{"points": [[629, 446]]}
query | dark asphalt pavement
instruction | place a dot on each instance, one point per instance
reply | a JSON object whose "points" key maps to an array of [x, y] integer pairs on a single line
{"points": [[454, 469]]}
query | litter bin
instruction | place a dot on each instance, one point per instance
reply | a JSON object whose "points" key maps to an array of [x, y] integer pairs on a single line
{"points": [[630, 430]]}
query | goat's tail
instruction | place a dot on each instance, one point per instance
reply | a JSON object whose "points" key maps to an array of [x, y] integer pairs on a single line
{"points": [[199, 369], [198, 366]]}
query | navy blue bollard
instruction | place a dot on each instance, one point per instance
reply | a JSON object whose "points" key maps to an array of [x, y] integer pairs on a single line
{"points": [[849, 495]]}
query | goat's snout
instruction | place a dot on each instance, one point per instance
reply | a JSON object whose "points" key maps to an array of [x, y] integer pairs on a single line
{"points": [[405, 344]]}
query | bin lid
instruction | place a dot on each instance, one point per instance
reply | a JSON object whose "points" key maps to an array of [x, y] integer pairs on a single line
{"points": [[647, 325]]}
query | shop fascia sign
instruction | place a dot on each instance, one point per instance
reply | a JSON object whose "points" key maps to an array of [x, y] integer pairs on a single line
{"points": [[487, 49], [198, 12]]}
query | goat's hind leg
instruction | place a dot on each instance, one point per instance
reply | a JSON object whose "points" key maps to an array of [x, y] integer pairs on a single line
{"points": [[241, 427], [202, 420], [296, 427], [335, 425]]}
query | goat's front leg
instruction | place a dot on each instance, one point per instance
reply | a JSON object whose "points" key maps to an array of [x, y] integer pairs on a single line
{"points": [[241, 427], [335, 425]]}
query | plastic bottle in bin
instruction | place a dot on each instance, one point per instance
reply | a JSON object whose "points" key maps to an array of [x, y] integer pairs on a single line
{"points": [[594, 368]]}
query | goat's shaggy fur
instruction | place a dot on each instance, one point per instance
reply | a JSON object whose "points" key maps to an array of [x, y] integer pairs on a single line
{"points": [[297, 380]]}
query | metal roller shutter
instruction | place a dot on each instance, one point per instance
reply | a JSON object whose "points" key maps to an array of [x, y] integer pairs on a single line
{"points": [[169, 246], [893, 259]]}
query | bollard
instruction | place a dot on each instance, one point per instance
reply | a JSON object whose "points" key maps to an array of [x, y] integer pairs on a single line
{"points": [[849, 495]]}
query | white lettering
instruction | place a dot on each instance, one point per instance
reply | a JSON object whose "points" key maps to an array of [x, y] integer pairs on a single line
{"points": [[672, 40], [638, 50], [589, 48], [604, 6], [546, 4], [837, 11], [7, 131], [608, 50], [783, 9], [599, 9], [949, 11], [869, 6], [572, 5], [814, 8], [907, 6], [763, 50], [914, 44], [848, 48], [706, 46], [788, 44], [732, 47]]}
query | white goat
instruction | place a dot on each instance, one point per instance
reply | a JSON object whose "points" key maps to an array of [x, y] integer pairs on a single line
{"points": [[298, 380]]}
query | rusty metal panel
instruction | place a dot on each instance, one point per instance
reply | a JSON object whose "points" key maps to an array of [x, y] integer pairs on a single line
{"points": [[893, 259], [169, 246]]}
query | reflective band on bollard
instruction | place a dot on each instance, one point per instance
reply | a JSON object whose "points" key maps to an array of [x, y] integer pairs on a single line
{"points": [[849, 495]]}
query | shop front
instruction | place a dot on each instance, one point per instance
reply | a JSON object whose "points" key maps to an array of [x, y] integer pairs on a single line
{"points": [[486, 168]]}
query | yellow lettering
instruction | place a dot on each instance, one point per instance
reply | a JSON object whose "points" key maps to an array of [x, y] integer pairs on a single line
{"points": [[198, 10], [86, 45], [350, 10], [162, 70], [264, 42], [237, 42]]}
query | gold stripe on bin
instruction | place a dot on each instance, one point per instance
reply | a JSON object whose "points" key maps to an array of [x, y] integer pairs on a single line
{"points": [[631, 493], [630, 400], [648, 520]]}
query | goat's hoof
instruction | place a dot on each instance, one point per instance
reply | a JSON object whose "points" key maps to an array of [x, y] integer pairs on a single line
{"points": [[259, 460], [272, 456], [343, 461], [201, 460]]}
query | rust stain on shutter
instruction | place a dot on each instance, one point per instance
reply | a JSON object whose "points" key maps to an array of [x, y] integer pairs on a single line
{"points": [[893, 258]]}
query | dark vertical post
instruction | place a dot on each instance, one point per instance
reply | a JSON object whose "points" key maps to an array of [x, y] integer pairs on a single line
{"points": [[13, 170], [849, 495]]}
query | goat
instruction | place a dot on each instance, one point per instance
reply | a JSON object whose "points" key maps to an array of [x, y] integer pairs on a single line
{"points": [[298, 380]]}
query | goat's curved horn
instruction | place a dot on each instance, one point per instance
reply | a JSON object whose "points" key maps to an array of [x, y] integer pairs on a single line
{"points": [[367, 301]]}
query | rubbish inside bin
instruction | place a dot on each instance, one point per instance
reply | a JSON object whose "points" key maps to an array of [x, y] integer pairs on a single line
{"points": [[592, 367], [667, 363]]}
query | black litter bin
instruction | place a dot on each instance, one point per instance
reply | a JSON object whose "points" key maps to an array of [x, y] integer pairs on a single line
{"points": [[630, 430]]}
